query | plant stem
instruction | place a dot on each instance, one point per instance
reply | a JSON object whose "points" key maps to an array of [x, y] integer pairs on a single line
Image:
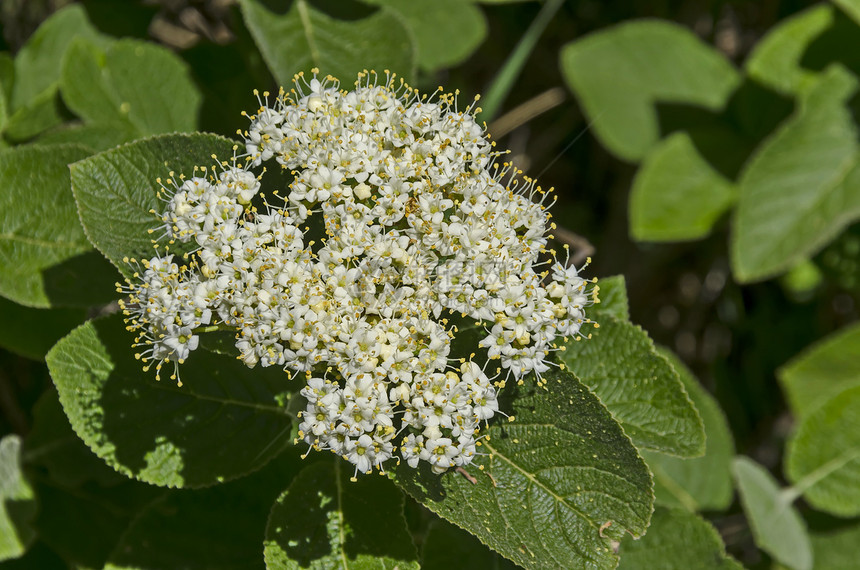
{"points": [[504, 80]]}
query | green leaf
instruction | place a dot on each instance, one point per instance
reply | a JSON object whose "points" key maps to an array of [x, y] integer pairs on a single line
{"points": [[130, 81], [40, 114], [446, 32], [344, 524], [776, 525], [612, 297], [97, 136], [116, 190], [638, 386], [305, 37], [17, 505], [42, 327], [679, 540], [838, 549], [54, 446], [676, 194], [701, 483], [45, 259], [822, 371], [775, 60], [551, 481], [212, 529], [802, 187], [446, 547], [37, 65], [823, 456], [222, 423], [620, 74]]}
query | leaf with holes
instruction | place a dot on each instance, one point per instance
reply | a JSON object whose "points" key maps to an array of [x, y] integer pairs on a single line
{"points": [[558, 484]]}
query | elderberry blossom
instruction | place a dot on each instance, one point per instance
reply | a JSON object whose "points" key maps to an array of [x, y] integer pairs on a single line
{"points": [[397, 237]]}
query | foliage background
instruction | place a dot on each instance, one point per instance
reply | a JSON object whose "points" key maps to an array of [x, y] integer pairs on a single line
{"points": [[734, 328]]}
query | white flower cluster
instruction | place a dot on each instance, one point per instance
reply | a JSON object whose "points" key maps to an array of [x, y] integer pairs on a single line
{"points": [[397, 233]]}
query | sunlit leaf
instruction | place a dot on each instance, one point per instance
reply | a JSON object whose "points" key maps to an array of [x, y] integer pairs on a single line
{"points": [[558, 484], [17, 504], [223, 422]]}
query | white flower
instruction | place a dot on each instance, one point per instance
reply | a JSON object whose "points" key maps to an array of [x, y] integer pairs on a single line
{"points": [[396, 238]]}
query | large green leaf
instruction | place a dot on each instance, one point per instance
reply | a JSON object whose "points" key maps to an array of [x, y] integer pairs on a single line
{"points": [[17, 504], [677, 195], [803, 185], [446, 546], [823, 456], [97, 136], [116, 189], [837, 550], [40, 114], [775, 60], [45, 258], [130, 81], [446, 31], [222, 423], [676, 540], [640, 388], [620, 74], [343, 524], [558, 484], [305, 37], [44, 327], [210, 529], [776, 525], [700, 483], [822, 371]]}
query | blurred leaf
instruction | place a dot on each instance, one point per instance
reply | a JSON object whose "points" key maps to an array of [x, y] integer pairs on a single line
{"points": [[212, 529], [551, 481], [96, 136], [638, 386], [446, 31], [620, 73], [676, 194], [702, 483], [44, 259], [53, 444], [837, 550], [130, 81], [822, 371], [850, 7], [802, 187], [343, 524], [7, 78], [775, 60], [37, 65], [679, 540], [446, 547], [224, 422], [613, 300], [116, 189], [32, 332], [776, 525], [823, 456], [305, 37], [17, 505], [40, 114]]}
